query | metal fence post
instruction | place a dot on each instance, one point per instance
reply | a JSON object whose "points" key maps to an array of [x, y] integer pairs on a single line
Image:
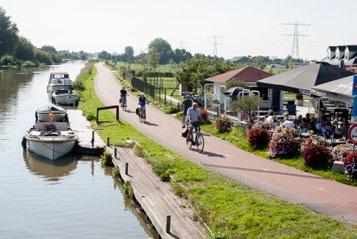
{"points": [[168, 223]]}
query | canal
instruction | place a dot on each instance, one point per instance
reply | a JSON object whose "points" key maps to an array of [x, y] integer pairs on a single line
{"points": [[72, 198]]}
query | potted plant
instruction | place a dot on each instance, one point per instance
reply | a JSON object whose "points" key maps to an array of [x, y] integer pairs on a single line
{"points": [[299, 99]]}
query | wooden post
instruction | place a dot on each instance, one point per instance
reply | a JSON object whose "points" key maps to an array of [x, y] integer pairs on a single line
{"points": [[168, 223], [165, 95], [126, 168], [115, 152], [117, 113], [108, 141], [92, 140]]}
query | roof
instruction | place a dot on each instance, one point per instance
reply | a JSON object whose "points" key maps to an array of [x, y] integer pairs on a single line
{"points": [[341, 48], [303, 79], [333, 48], [352, 47], [59, 72], [340, 89], [246, 74]]}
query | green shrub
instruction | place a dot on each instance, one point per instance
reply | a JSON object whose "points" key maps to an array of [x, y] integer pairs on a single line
{"points": [[106, 160], [178, 189], [7, 60], [171, 109], [78, 85], [128, 189], [90, 117], [223, 124], [116, 172], [162, 169]]}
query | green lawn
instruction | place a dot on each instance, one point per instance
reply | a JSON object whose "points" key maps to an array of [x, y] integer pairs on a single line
{"points": [[238, 138], [228, 208]]}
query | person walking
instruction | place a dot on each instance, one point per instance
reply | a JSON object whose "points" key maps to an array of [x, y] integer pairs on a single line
{"points": [[186, 104], [122, 99]]}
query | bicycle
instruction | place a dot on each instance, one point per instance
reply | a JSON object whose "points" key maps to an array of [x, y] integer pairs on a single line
{"points": [[123, 102], [195, 138], [142, 114]]}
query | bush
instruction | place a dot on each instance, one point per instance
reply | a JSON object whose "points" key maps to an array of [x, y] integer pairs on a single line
{"points": [[171, 109], [284, 142], [299, 96], [350, 162], [223, 124], [315, 153], [91, 117], [106, 160], [258, 137], [7, 60], [340, 151], [162, 169], [78, 85], [116, 172]]}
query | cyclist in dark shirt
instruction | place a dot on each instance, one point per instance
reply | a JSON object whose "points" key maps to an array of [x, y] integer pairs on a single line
{"points": [[186, 104], [123, 94]]}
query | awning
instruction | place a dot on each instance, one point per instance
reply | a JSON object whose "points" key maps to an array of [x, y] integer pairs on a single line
{"points": [[304, 78], [340, 89]]}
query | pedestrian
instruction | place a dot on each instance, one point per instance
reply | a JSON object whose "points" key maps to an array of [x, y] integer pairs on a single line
{"points": [[186, 104]]}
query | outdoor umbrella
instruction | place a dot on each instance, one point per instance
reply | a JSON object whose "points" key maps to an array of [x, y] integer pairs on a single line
{"points": [[303, 79], [340, 89]]}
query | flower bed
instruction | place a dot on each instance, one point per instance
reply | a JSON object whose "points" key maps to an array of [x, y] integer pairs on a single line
{"points": [[284, 142], [315, 152]]}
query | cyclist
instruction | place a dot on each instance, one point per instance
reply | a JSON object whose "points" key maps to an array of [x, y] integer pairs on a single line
{"points": [[186, 104], [123, 94], [142, 104], [193, 118]]}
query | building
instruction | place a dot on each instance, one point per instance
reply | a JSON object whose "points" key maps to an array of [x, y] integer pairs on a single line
{"points": [[344, 56], [249, 76]]}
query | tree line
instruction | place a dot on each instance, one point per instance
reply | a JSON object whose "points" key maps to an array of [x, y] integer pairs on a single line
{"points": [[17, 50]]}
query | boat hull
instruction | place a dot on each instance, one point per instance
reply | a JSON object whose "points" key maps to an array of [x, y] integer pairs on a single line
{"points": [[66, 99], [51, 149]]}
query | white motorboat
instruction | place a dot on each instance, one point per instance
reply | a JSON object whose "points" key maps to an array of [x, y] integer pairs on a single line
{"points": [[65, 97], [51, 136], [59, 81]]}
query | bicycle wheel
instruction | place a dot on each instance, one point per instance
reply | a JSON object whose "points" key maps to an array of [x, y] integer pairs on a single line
{"points": [[200, 141], [188, 143]]}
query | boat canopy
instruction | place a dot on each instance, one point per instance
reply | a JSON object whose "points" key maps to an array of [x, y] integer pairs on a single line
{"points": [[51, 108]]}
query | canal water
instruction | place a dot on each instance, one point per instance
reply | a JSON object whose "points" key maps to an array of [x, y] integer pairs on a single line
{"points": [[73, 198]]}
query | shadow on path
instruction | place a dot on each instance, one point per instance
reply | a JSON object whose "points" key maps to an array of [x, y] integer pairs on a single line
{"points": [[262, 171]]}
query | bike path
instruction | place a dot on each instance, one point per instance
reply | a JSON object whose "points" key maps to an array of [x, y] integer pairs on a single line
{"points": [[319, 194]]}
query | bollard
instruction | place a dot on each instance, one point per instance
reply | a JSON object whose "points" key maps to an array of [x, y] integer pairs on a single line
{"points": [[115, 153], [108, 141], [127, 169], [168, 223]]}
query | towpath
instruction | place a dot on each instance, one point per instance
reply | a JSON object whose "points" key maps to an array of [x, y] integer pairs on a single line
{"points": [[319, 194]]}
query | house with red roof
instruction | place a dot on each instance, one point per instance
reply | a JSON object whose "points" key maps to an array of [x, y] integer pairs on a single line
{"points": [[248, 75]]}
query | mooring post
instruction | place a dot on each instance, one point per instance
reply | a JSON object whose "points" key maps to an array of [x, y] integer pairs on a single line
{"points": [[108, 141], [127, 169], [168, 223], [115, 152], [92, 140]]}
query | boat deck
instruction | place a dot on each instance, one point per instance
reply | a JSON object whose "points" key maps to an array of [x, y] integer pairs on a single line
{"points": [[84, 131]]}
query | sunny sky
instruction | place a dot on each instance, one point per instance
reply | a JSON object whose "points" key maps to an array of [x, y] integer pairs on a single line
{"points": [[248, 27]]}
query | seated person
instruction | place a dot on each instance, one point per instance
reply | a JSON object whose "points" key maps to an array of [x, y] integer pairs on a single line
{"points": [[304, 126], [288, 123], [270, 117], [327, 130], [298, 121]]}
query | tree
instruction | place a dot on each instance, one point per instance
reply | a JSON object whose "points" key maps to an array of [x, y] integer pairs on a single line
{"points": [[43, 57], [104, 55], [50, 49], [24, 50], [163, 49], [193, 72], [8, 34], [181, 55], [129, 53], [153, 59], [248, 104]]}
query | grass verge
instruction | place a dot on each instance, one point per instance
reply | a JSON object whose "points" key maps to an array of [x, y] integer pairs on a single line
{"points": [[228, 208], [238, 138]]}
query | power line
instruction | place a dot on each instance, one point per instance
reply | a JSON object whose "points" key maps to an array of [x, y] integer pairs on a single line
{"points": [[215, 44], [295, 49]]}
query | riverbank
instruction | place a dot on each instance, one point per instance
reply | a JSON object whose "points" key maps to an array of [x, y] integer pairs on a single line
{"points": [[228, 208]]}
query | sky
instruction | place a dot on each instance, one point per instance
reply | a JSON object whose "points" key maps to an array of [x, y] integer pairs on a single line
{"points": [[244, 27]]}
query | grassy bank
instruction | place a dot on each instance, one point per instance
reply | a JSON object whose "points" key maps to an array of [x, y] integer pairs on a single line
{"points": [[237, 137], [228, 208]]}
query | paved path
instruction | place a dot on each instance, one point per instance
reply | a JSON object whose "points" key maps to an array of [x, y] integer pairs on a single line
{"points": [[322, 195]]}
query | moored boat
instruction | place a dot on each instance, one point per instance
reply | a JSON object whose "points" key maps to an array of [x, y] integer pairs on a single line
{"points": [[59, 81], [65, 97], [51, 136]]}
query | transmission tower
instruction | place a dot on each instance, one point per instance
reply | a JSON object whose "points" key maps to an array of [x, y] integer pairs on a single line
{"points": [[295, 50], [215, 44]]}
